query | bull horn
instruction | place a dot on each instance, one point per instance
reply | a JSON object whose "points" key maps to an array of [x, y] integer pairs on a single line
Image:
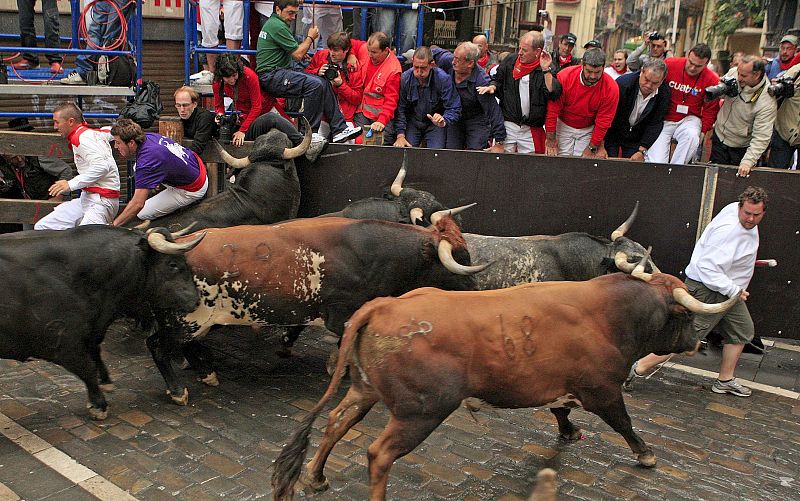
{"points": [[436, 216], [445, 251], [143, 226], [397, 184], [160, 243], [624, 227], [622, 264], [185, 231], [416, 215], [686, 300], [638, 271], [300, 149], [236, 163]]}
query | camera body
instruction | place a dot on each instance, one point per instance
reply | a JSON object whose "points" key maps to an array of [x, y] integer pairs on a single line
{"points": [[333, 69], [228, 124], [727, 86], [783, 88], [654, 35]]}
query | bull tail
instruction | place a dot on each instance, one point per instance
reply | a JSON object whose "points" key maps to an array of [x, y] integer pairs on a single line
{"points": [[289, 463]]}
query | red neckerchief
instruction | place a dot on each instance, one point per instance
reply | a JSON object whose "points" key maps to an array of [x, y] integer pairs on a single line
{"points": [[483, 61], [794, 60], [565, 60], [620, 72], [521, 69]]}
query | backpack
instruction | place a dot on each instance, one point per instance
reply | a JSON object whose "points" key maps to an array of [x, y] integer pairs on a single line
{"points": [[116, 71], [146, 105]]}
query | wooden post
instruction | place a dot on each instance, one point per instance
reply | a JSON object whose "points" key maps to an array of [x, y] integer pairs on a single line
{"points": [[171, 127]]}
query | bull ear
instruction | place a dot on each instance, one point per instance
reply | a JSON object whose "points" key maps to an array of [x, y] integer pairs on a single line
{"points": [[236, 163], [300, 149], [397, 184], [160, 243], [624, 227]]}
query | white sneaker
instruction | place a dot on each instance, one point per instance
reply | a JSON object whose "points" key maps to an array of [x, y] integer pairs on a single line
{"points": [[205, 77], [347, 134], [316, 148], [73, 79]]}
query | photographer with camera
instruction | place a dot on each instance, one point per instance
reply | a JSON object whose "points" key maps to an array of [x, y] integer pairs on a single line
{"points": [[786, 136], [233, 79], [744, 122], [658, 50], [787, 57], [331, 64]]}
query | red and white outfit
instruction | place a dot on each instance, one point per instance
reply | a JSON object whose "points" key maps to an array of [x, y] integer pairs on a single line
{"points": [[523, 138], [582, 114], [98, 180], [688, 115], [613, 73]]}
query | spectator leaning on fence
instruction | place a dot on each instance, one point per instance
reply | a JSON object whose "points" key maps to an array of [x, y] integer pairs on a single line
{"points": [[578, 120], [786, 137], [744, 122], [524, 84], [98, 176], [428, 103], [198, 122], [381, 77], [643, 101], [481, 118], [690, 116], [240, 83], [275, 52]]}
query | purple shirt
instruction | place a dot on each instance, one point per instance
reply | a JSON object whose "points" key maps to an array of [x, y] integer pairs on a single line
{"points": [[160, 160]]}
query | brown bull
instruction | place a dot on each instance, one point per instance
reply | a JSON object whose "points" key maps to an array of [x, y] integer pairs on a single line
{"points": [[558, 344]]}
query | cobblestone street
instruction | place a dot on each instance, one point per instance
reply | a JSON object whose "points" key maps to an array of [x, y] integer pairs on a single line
{"points": [[223, 443]]}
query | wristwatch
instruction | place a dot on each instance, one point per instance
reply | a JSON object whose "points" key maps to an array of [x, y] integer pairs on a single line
{"points": [[643, 150], [593, 148]]}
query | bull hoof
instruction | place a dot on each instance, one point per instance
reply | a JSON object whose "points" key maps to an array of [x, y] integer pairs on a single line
{"points": [[648, 459], [573, 436], [108, 387], [97, 414], [473, 404], [181, 400], [211, 379], [315, 485]]}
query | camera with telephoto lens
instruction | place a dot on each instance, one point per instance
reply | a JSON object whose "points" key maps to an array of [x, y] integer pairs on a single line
{"points": [[333, 69], [655, 36], [783, 87], [727, 86], [228, 124]]}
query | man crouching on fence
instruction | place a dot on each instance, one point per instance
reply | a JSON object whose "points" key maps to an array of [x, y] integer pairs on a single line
{"points": [[159, 162], [98, 176]]}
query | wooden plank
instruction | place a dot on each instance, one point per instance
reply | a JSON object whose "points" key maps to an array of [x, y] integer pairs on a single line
{"points": [[24, 211], [65, 90], [45, 144]]}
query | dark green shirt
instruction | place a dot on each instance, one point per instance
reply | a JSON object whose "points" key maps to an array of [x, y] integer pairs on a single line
{"points": [[275, 45]]}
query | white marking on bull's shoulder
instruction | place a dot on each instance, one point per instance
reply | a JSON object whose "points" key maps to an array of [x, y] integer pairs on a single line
{"points": [[307, 283], [569, 400]]}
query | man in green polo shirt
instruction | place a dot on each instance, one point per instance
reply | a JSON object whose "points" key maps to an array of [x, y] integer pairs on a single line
{"points": [[276, 50]]}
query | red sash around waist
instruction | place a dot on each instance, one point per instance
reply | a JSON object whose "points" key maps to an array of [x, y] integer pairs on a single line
{"points": [[103, 192], [201, 178]]}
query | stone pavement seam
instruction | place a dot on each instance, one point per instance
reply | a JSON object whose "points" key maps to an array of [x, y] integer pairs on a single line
{"points": [[751, 384], [61, 463]]}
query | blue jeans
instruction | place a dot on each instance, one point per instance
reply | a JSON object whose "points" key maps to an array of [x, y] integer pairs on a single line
{"points": [[385, 22], [468, 134], [104, 30], [318, 96], [27, 29]]}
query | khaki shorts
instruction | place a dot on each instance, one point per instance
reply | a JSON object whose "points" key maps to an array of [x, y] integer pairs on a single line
{"points": [[735, 325]]}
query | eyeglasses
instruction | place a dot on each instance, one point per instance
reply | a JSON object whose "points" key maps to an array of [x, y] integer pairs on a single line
{"points": [[183, 105]]}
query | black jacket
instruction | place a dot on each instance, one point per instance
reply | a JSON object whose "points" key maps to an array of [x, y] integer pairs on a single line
{"points": [[507, 90], [646, 130], [557, 62], [200, 127], [37, 175]]}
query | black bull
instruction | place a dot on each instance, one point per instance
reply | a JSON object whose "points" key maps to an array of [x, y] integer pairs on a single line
{"points": [[62, 289], [297, 271], [266, 191], [528, 346]]}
